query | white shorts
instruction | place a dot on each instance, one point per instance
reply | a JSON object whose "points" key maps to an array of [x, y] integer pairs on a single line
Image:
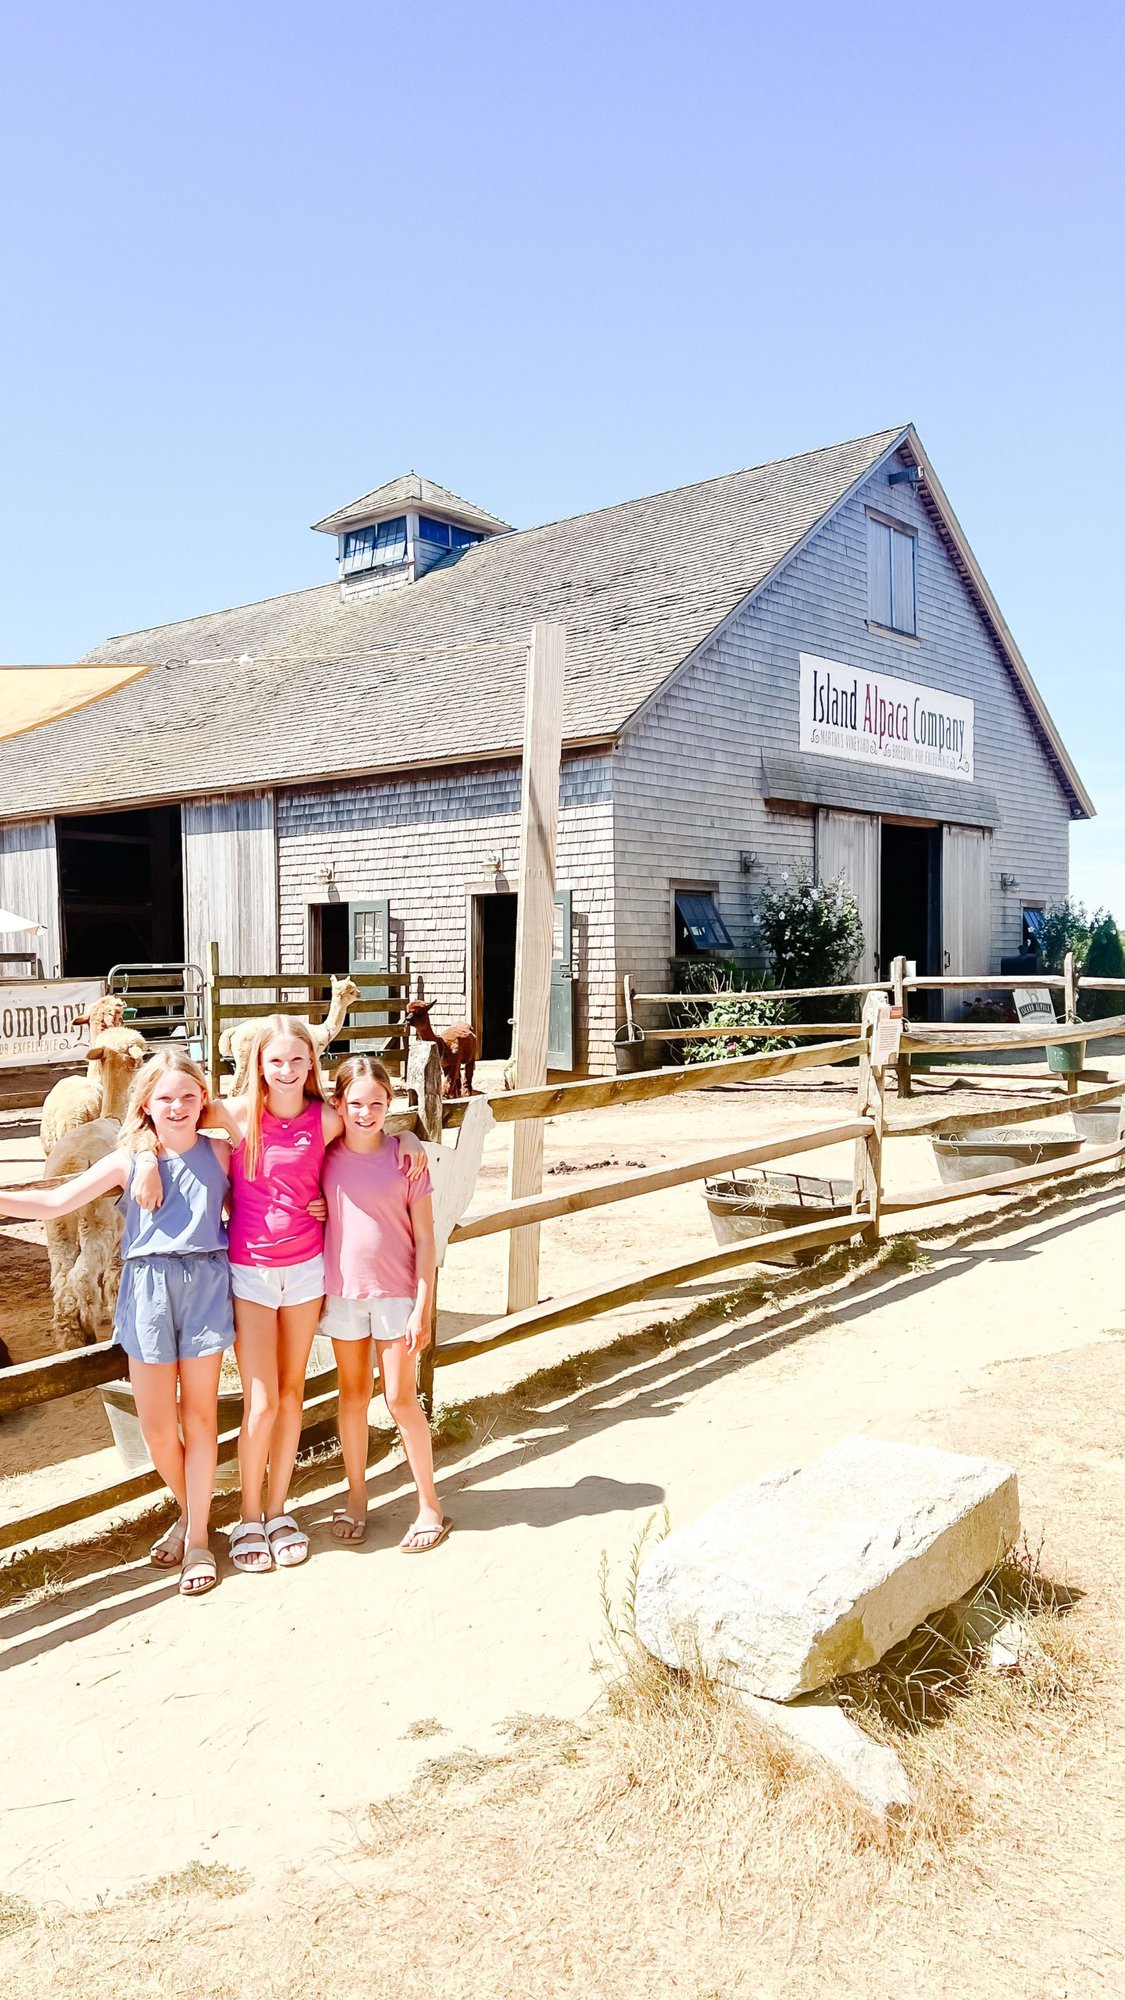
{"points": [[279, 1284], [366, 1319]]}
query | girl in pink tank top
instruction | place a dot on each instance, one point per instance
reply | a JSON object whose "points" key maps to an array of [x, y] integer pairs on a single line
{"points": [[278, 1129]]}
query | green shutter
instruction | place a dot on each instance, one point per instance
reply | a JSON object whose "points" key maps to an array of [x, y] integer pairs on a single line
{"points": [[560, 1038]]}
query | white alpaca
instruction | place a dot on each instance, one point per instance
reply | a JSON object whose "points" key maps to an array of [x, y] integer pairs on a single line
{"points": [[234, 1043], [112, 1061], [83, 1247]]}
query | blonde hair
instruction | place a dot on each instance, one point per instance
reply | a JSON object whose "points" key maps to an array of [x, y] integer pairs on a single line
{"points": [[137, 1119], [271, 1030], [354, 1066]]}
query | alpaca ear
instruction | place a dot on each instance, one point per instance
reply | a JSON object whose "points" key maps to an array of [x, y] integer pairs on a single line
{"points": [[137, 1057], [95, 1055]]}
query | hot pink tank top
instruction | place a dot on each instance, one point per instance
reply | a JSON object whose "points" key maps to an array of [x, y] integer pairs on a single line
{"points": [[269, 1218]]}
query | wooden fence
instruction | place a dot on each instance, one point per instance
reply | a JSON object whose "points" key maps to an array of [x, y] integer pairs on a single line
{"points": [[868, 1048], [377, 1021]]}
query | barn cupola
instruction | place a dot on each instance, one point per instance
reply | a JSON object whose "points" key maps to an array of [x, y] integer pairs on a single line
{"points": [[395, 534]]}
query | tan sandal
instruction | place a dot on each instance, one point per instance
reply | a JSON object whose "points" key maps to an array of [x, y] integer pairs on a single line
{"points": [[424, 1536], [199, 1574], [167, 1551], [346, 1528]]}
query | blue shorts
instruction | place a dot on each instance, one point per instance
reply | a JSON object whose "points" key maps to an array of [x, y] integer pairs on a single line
{"points": [[175, 1308]]}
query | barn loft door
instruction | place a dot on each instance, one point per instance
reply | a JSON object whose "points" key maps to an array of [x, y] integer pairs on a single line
{"points": [[848, 844], [560, 1037], [369, 951], [966, 901]]}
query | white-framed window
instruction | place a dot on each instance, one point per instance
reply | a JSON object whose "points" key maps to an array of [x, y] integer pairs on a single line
{"points": [[891, 584]]}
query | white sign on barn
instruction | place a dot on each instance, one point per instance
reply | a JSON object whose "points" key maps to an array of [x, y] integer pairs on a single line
{"points": [[878, 719], [37, 1023]]}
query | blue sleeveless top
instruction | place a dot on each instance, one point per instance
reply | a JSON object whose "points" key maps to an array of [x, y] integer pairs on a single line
{"points": [[190, 1218]]}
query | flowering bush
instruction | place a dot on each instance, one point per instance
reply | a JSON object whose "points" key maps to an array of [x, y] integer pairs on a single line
{"points": [[737, 1006], [812, 932]]}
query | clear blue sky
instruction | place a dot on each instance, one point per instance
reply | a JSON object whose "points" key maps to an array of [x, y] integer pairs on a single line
{"points": [[258, 258]]}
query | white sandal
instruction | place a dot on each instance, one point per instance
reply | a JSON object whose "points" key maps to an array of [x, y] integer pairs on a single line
{"points": [[248, 1545], [289, 1545]]}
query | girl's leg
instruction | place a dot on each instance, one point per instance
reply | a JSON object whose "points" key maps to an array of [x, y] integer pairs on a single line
{"points": [[396, 1367], [255, 1345], [355, 1370], [154, 1391], [199, 1420], [296, 1326]]}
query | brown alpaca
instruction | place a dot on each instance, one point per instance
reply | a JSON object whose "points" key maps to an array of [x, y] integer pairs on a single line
{"points": [[457, 1046]]}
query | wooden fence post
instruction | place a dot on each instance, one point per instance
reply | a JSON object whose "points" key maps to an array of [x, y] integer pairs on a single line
{"points": [[214, 1020], [535, 922], [867, 1173], [423, 1084], [1070, 1007], [898, 986]]}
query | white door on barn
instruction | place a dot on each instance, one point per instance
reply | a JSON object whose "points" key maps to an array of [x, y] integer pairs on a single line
{"points": [[966, 904], [848, 844]]}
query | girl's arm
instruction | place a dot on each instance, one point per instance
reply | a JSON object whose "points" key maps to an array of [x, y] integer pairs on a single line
{"points": [[419, 1327], [226, 1115], [411, 1156], [104, 1175]]}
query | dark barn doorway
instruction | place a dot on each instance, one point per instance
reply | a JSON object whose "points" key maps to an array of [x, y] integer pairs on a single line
{"points": [[495, 982], [122, 890], [910, 903], [329, 938]]}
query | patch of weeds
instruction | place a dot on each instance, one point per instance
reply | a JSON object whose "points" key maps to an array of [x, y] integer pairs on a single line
{"points": [[427, 1725], [904, 1253], [459, 1767], [451, 1424], [16, 1914], [207, 1878], [524, 1728]]}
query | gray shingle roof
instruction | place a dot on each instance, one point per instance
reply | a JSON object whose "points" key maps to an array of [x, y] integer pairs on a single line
{"points": [[309, 686], [410, 490]]}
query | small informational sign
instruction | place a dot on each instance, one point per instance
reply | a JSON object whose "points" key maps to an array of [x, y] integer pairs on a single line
{"points": [[1034, 1005], [886, 1038], [37, 1020], [873, 718]]}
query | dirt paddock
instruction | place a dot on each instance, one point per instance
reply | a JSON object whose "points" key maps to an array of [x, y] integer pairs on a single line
{"points": [[241, 1742]]}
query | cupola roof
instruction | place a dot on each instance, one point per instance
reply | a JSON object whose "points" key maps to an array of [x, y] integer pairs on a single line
{"points": [[410, 490]]}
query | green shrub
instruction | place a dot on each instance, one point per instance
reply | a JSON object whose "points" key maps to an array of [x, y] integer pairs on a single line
{"points": [[736, 1007], [1105, 959], [1066, 927]]}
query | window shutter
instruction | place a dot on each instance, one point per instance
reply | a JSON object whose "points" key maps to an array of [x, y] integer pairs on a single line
{"points": [[878, 572], [903, 616]]}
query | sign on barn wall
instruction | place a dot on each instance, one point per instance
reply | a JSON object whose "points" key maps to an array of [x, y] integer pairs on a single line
{"points": [[876, 719], [37, 1022]]}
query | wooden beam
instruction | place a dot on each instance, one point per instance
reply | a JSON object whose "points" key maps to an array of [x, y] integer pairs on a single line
{"points": [[559, 1099], [782, 992], [733, 1030], [586, 1305], [597, 1194], [535, 922], [969, 1041], [1045, 1107], [1047, 1170], [67, 1374]]}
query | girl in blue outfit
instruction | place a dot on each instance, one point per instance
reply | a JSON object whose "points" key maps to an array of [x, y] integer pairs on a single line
{"points": [[173, 1317]]}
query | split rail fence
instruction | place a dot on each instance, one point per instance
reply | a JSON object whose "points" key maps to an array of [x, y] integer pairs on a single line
{"points": [[378, 1019], [866, 1044]]}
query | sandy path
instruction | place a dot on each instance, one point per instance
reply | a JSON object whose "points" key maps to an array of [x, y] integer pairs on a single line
{"points": [[143, 1733]]}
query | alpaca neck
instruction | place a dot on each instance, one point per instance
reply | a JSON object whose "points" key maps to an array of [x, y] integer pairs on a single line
{"points": [[424, 1031], [116, 1078], [334, 1019]]}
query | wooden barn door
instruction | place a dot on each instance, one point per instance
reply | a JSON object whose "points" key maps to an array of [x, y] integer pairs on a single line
{"points": [[966, 905], [230, 883], [849, 844]]}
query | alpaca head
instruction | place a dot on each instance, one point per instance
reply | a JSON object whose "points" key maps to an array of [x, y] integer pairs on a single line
{"points": [[344, 990], [121, 1045]]}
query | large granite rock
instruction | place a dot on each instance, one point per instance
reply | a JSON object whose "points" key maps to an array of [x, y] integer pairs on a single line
{"points": [[817, 1570]]}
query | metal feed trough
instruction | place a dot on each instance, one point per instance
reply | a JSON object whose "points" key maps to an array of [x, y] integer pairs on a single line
{"points": [[742, 1206], [1001, 1150]]}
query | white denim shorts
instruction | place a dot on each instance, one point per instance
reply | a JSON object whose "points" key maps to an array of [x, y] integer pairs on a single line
{"points": [[366, 1319], [278, 1284]]}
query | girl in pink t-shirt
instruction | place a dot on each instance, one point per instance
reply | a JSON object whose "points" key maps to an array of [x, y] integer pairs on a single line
{"points": [[380, 1265]]}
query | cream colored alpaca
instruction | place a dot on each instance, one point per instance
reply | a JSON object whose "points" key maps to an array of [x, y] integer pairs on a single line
{"points": [[106, 1012], [113, 1060], [234, 1043], [83, 1247]]}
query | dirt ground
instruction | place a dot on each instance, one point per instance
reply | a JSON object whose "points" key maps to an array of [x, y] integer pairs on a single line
{"points": [[253, 1730]]}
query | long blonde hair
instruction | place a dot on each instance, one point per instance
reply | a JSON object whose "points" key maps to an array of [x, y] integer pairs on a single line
{"points": [[137, 1119], [269, 1030]]}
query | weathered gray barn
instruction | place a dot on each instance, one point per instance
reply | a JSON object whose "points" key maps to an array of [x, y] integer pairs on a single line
{"points": [[796, 663]]}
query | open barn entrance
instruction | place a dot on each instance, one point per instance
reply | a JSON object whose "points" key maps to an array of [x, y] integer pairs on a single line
{"points": [[121, 889], [910, 902], [494, 973]]}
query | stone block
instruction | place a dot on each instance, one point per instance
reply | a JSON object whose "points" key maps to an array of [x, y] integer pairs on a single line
{"points": [[818, 1570], [872, 1770]]}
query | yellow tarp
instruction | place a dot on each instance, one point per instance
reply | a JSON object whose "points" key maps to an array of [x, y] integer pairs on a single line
{"points": [[31, 695]]}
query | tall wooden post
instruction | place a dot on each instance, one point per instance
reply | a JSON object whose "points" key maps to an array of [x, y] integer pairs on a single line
{"points": [[867, 1173], [1070, 1008], [535, 922], [214, 1020], [898, 988], [423, 1083]]}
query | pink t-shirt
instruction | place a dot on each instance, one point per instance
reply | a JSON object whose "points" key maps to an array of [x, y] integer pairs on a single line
{"points": [[269, 1216], [368, 1240]]}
